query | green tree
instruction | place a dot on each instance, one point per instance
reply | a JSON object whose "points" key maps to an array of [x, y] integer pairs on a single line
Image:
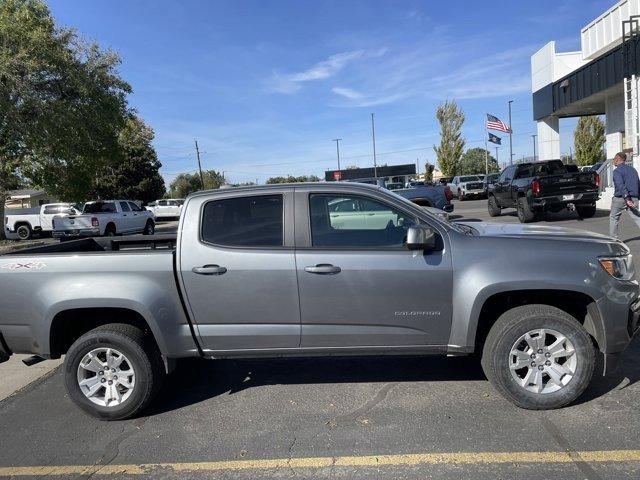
{"points": [[293, 179], [187, 183], [136, 175], [588, 140], [62, 103], [473, 162], [428, 172], [448, 153]]}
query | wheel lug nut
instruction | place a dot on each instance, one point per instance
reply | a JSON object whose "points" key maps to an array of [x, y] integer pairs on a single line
{"points": [[113, 370], [100, 372], [540, 367], [103, 380], [540, 350], [110, 382], [547, 363], [533, 364], [533, 355], [547, 354], [115, 377]]}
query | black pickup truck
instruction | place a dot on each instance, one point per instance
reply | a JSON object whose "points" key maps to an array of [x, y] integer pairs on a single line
{"points": [[533, 188]]}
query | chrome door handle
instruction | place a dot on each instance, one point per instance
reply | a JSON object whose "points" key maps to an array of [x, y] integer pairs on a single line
{"points": [[209, 270], [323, 269]]}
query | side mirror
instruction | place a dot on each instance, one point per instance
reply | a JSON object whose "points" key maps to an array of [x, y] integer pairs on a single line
{"points": [[420, 237]]}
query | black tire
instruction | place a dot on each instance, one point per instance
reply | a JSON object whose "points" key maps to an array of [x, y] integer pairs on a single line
{"points": [[525, 214], [110, 231], [517, 322], [24, 232], [586, 211], [149, 228], [460, 195], [143, 355], [493, 207]]}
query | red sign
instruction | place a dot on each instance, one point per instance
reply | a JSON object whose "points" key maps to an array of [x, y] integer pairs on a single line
{"points": [[337, 175]]}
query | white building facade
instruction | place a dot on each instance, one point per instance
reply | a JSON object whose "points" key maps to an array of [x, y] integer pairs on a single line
{"points": [[600, 79]]}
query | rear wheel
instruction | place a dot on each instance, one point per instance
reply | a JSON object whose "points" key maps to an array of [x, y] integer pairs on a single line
{"points": [[492, 205], [110, 231], [113, 371], [525, 214], [24, 232], [586, 211], [538, 357]]}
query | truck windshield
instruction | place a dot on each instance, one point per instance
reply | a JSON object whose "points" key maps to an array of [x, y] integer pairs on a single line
{"points": [[469, 179]]}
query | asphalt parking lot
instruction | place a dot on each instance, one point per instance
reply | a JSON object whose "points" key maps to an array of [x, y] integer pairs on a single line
{"points": [[382, 418]]}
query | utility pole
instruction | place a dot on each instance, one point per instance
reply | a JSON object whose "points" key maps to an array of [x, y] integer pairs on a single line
{"points": [[373, 136], [534, 147], [199, 164], [510, 134], [337, 140], [497, 156]]}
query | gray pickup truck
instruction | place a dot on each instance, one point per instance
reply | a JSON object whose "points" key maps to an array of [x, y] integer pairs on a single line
{"points": [[295, 270]]}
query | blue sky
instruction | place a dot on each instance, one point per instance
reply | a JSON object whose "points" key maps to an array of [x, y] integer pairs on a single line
{"points": [[266, 85]]}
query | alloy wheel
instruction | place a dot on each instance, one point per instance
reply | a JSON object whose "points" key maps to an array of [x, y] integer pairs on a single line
{"points": [[106, 377]]}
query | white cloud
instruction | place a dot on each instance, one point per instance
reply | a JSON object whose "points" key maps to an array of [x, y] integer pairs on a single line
{"points": [[291, 82], [347, 93]]}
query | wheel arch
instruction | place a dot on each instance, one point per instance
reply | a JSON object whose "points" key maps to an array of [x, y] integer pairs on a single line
{"points": [[579, 305]]}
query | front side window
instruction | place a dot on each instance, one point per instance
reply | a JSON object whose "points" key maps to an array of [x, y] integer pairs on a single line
{"points": [[244, 221], [369, 223], [125, 207]]}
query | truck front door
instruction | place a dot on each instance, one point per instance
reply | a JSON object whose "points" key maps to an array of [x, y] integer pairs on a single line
{"points": [[238, 271], [359, 285]]}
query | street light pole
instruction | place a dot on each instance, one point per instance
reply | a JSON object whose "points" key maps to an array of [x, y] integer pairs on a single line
{"points": [[337, 140], [510, 134], [534, 147], [497, 157], [373, 137]]}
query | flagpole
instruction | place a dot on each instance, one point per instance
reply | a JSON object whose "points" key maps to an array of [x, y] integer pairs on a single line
{"points": [[486, 156]]}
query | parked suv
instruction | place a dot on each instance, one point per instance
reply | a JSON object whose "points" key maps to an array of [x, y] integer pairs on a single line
{"points": [[466, 186]]}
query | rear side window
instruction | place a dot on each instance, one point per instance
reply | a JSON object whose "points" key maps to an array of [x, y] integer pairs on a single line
{"points": [[100, 208], [125, 207], [244, 221]]}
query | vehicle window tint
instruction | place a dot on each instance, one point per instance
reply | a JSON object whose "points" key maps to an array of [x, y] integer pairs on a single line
{"points": [[162, 203], [51, 210], [135, 207], [469, 179], [100, 208], [244, 221], [371, 224], [125, 207]]}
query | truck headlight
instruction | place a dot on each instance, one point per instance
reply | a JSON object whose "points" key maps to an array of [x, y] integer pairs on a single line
{"points": [[617, 267]]}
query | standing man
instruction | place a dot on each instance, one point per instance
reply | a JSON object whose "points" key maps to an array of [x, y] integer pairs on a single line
{"points": [[625, 196]]}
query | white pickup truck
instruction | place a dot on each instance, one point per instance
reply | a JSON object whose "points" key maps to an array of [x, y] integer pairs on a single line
{"points": [[166, 208], [25, 222], [106, 218]]}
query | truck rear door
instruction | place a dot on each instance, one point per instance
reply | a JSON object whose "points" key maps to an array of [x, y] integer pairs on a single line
{"points": [[237, 264]]}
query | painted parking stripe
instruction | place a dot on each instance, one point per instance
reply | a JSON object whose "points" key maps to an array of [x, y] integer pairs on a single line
{"points": [[468, 458]]}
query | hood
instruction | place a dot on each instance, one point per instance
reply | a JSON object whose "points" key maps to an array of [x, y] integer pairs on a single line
{"points": [[541, 232]]}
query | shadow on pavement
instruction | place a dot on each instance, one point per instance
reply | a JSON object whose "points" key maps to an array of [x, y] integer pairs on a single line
{"points": [[196, 380]]}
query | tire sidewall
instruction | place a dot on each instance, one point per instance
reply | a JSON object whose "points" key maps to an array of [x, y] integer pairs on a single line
{"points": [[26, 230], [149, 229], [584, 350], [138, 359]]}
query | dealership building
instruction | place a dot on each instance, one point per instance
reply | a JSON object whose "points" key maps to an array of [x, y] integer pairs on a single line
{"points": [[599, 79]]}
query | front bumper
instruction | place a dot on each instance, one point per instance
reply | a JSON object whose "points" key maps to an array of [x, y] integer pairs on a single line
{"points": [[473, 193], [5, 353], [80, 232]]}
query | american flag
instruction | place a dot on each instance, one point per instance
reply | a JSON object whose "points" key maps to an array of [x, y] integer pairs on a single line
{"points": [[494, 123]]}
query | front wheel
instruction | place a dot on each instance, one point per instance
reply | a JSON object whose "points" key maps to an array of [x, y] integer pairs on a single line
{"points": [[113, 371], [149, 228], [538, 357], [494, 208]]}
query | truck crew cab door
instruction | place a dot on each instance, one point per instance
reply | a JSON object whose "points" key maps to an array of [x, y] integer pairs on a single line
{"points": [[359, 285], [237, 266], [502, 188]]}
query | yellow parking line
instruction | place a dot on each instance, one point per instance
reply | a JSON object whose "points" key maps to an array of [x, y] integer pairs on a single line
{"points": [[468, 458]]}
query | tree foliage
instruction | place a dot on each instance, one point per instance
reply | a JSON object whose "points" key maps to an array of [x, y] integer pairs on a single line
{"points": [[428, 172], [588, 139], [62, 102], [187, 183], [292, 179], [448, 153], [473, 162], [136, 175]]}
